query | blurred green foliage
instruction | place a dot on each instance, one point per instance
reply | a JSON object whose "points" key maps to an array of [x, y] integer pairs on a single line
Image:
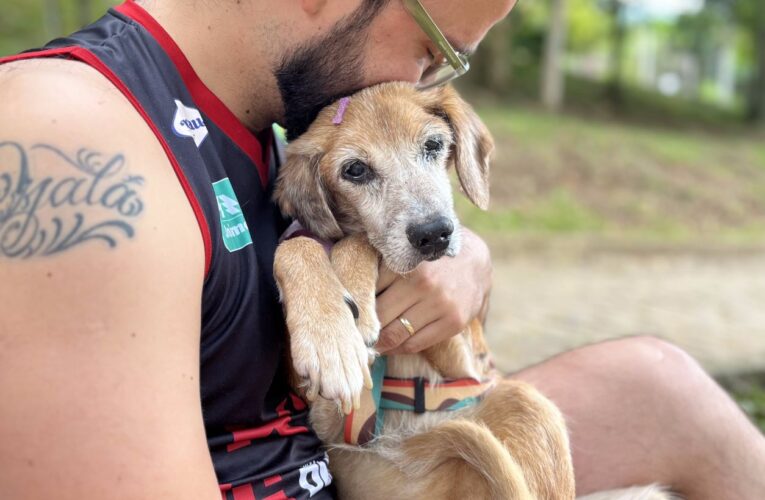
{"points": [[748, 390], [589, 27], [716, 55], [26, 24]]}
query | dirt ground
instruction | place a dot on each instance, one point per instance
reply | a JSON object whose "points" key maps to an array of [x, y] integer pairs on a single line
{"points": [[712, 305]]}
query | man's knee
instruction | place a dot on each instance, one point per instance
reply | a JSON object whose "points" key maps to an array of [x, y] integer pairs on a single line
{"points": [[645, 352], [647, 364], [641, 364], [641, 374]]}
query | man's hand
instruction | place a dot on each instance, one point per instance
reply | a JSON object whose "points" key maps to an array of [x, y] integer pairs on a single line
{"points": [[438, 298]]}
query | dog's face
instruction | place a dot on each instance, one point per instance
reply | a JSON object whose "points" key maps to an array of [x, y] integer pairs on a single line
{"points": [[383, 171]]}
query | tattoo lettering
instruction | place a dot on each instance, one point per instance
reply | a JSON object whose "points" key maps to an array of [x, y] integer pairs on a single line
{"points": [[93, 199]]}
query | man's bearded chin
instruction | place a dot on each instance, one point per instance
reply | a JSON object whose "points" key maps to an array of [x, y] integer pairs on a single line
{"points": [[312, 78], [322, 71]]}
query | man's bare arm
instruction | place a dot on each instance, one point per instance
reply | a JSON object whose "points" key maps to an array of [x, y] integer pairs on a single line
{"points": [[101, 269]]}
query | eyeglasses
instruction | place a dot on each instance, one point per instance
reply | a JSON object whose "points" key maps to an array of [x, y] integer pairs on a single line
{"points": [[454, 63]]}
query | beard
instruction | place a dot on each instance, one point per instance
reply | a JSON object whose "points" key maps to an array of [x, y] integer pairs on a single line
{"points": [[324, 69]]}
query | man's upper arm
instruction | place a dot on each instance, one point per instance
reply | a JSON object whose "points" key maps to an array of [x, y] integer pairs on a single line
{"points": [[101, 268]]}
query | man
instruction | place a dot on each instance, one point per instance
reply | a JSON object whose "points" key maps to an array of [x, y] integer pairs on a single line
{"points": [[136, 243]]}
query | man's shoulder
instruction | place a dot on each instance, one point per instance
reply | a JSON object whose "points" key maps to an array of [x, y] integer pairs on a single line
{"points": [[47, 74], [36, 89], [68, 132]]}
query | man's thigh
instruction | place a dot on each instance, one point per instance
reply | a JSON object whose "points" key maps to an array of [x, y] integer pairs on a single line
{"points": [[620, 407]]}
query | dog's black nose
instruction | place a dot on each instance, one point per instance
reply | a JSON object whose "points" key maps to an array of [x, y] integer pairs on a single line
{"points": [[432, 236]]}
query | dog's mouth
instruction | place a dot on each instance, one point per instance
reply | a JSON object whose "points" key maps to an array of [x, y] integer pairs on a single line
{"points": [[404, 264], [436, 255]]}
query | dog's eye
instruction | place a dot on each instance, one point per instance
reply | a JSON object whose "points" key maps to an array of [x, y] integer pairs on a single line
{"points": [[433, 147], [357, 171]]}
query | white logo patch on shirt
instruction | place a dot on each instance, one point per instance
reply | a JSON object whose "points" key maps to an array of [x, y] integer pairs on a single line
{"points": [[315, 476], [188, 122]]}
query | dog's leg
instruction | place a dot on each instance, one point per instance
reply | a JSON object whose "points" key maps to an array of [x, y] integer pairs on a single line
{"points": [[452, 358], [356, 263], [533, 430], [458, 459], [327, 351]]}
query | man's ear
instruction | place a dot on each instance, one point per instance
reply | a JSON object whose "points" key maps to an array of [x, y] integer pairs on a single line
{"points": [[300, 191], [312, 7], [473, 145]]}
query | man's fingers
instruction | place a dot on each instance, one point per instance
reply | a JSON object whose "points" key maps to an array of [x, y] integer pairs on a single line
{"points": [[394, 301], [428, 336], [385, 278], [391, 337], [395, 333]]}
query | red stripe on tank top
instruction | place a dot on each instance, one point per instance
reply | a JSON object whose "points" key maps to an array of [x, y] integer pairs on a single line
{"points": [[272, 480], [203, 97], [243, 492]]}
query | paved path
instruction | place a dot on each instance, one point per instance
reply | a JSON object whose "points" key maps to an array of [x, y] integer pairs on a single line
{"points": [[712, 306]]}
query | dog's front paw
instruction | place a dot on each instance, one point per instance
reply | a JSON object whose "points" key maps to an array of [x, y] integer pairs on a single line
{"points": [[367, 321], [329, 354]]}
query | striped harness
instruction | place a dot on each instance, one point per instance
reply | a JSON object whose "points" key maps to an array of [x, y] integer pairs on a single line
{"points": [[407, 394]]}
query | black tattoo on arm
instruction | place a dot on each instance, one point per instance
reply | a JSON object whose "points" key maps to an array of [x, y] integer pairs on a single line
{"points": [[92, 199]]}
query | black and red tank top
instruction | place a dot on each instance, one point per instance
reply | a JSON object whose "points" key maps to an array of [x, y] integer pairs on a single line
{"points": [[257, 428]]}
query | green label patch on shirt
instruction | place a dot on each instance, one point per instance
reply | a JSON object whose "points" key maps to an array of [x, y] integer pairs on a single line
{"points": [[236, 234]]}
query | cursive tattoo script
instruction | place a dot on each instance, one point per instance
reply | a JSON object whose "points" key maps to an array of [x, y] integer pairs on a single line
{"points": [[93, 200]]}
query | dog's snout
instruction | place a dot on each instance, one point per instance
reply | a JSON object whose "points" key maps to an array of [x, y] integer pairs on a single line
{"points": [[432, 236]]}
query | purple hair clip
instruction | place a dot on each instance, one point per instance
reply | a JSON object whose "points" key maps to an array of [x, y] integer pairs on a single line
{"points": [[338, 119]]}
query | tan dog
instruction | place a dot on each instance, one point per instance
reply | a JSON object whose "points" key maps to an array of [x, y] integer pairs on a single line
{"points": [[373, 178]]}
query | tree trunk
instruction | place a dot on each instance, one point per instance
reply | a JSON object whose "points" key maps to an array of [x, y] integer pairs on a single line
{"points": [[614, 89], [498, 71], [757, 101], [553, 73]]}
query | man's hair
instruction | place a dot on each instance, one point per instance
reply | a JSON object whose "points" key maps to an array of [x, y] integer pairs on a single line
{"points": [[374, 6]]}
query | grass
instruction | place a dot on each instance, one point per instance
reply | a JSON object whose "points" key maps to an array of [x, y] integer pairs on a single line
{"points": [[557, 212], [567, 175]]}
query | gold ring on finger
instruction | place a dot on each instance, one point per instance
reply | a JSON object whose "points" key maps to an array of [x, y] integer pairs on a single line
{"points": [[407, 325]]}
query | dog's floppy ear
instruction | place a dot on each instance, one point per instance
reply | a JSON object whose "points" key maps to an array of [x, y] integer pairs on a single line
{"points": [[473, 145], [300, 191]]}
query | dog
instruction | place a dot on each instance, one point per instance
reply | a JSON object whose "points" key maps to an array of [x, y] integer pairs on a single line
{"points": [[370, 178]]}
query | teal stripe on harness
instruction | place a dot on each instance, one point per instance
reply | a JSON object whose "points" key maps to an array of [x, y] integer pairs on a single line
{"points": [[464, 403], [388, 404]]}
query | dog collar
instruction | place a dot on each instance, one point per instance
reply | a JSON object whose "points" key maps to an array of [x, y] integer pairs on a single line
{"points": [[408, 394], [296, 230]]}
